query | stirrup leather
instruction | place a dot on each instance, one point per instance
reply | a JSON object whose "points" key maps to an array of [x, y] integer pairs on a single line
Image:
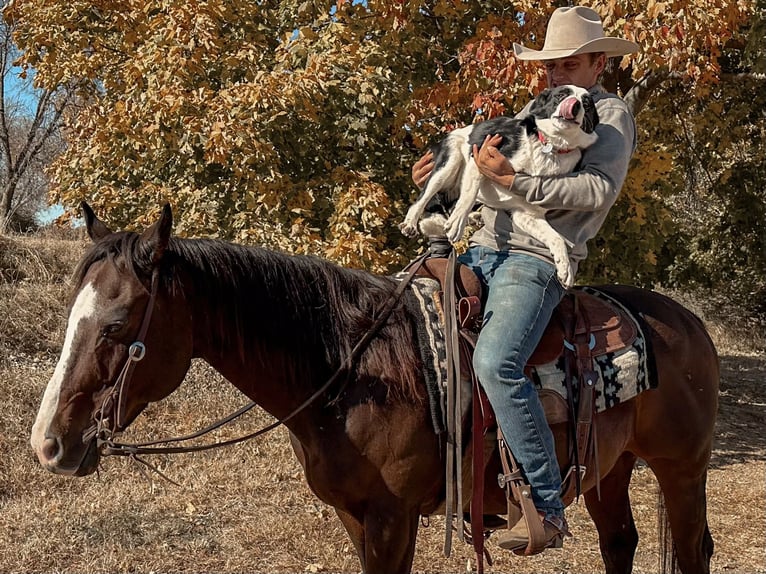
{"points": [[515, 486]]}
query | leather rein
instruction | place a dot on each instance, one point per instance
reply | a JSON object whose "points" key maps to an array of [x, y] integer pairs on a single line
{"points": [[116, 399]]}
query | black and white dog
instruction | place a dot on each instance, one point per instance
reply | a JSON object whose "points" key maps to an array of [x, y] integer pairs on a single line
{"points": [[549, 141]]}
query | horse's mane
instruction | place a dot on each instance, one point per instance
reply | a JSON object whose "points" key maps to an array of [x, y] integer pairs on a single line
{"points": [[314, 308]]}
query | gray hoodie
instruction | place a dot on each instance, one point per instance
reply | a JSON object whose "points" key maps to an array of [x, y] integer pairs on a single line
{"points": [[578, 202]]}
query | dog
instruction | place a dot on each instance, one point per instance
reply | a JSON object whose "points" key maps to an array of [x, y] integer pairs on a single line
{"points": [[548, 141]]}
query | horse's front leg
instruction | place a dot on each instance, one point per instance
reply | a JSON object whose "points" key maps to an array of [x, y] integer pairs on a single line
{"points": [[384, 538], [355, 530], [383, 530], [390, 532]]}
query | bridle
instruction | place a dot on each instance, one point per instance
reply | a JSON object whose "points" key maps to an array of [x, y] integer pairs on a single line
{"points": [[116, 399]]}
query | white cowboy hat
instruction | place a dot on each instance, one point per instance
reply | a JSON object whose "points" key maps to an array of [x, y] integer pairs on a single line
{"points": [[572, 31]]}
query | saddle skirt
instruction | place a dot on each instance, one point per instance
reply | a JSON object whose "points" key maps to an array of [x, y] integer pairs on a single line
{"points": [[617, 344]]}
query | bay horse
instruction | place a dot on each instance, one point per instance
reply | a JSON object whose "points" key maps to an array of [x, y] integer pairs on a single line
{"points": [[278, 326]]}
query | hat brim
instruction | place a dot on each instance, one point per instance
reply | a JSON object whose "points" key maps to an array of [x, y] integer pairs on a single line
{"points": [[610, 46]]}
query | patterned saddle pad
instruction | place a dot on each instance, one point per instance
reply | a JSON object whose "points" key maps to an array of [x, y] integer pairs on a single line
{"points": [[621, 374]]}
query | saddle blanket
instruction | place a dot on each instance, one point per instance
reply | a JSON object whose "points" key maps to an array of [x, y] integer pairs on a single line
{"points": [[621, 375]]}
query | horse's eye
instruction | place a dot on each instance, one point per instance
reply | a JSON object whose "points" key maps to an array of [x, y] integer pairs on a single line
{"points": [[112, 328]]}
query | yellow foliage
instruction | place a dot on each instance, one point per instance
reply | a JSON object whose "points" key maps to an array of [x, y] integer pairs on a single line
{"points": [[283, 124]]}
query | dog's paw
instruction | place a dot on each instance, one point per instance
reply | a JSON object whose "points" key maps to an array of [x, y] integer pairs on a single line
{"points": [[566, 278], [408, 229], [564, 272], [454, 229]]}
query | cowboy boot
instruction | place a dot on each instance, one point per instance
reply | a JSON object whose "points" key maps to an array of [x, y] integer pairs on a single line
{"points": [[517, 538]]}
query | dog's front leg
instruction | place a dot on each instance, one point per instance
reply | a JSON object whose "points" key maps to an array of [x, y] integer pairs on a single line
{"points": [[440, 181], [409, 226], [535, 225], [469, 191]]}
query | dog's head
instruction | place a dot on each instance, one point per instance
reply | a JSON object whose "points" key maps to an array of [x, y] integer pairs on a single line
{"points": [[567, 105]]}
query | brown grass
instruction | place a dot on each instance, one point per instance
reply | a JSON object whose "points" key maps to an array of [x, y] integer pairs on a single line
{"points": [[247, 508]]}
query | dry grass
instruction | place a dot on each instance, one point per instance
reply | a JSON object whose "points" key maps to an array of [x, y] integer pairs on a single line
{"points": [[247, 508]]}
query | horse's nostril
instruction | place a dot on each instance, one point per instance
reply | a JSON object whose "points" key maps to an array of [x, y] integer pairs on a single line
{"points": [[50, 448]]}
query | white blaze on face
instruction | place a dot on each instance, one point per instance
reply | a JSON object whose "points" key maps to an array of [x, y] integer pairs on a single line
{"points": [[83, 308]]}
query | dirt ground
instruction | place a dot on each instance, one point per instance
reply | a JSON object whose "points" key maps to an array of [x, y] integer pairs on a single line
{"points": [[247, 508]]}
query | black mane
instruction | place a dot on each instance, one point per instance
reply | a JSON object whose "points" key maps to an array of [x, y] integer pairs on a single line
{"points": [[263, 300]]}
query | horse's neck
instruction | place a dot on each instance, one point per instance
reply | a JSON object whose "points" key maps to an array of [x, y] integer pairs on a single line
{"points": [[259, 361], [266, 384]]}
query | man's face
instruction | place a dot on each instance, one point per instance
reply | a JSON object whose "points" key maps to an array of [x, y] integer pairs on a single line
{"points": [[581, 70]]}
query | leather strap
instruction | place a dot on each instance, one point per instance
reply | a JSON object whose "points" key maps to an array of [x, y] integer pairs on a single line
{"points": [[115, 402], [583, 423], [453, 462], [515, 484], [477, 496]]}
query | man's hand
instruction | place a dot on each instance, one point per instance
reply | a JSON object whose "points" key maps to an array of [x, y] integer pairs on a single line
{"points": [[422, 169], [491, 163]]}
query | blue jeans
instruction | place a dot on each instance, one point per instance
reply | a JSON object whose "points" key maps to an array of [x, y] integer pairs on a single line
{"points": [[523, 291]]}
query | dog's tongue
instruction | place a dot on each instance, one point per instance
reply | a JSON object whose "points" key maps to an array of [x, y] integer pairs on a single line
{"points": [[567, 108]]}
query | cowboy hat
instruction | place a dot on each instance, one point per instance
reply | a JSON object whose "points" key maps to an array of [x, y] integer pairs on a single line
{"points": [[575, 30]]}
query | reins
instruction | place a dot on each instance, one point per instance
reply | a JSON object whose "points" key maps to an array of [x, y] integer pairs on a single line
{"points": [[136, 353]]}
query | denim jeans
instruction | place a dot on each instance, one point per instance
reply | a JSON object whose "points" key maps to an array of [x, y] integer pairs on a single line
{"points": [[523, 291]]}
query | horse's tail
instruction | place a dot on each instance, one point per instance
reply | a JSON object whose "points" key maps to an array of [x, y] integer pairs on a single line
{"points": [[667, 551]]}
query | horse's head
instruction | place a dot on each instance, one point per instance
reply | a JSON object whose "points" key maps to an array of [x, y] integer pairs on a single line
{"points": [[103, 380]]}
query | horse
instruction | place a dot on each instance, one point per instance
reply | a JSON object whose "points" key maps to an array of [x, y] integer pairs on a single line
{"points": [[278, 326]]}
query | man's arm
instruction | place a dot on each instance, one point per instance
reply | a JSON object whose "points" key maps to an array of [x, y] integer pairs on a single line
{"points": [[492, 163], [604, 165], [593, 187]]}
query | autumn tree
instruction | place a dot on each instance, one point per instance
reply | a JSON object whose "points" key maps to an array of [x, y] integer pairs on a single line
{"points": [[29, 139], [719, 181], [295, 123]]}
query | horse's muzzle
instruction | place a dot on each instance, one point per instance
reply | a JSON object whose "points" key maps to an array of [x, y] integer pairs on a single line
{"points": [[54, 457]]}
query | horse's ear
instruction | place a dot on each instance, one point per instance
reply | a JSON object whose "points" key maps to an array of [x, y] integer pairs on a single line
{"points": [[158, 235], [95, 227]]}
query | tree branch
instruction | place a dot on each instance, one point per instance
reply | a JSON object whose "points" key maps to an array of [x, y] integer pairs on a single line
{"points": [[639, 94]]}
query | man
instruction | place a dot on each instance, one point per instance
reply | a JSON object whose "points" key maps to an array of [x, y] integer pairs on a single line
{"points": [[518, 271]]}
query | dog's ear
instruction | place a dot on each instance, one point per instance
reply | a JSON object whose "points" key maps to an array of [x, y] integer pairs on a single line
{"points": [[539, 107], [590, 115]]}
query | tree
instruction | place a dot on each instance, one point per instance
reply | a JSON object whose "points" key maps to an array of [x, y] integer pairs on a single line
{"points": [[294, 123], [719, 194], [29, 140]]}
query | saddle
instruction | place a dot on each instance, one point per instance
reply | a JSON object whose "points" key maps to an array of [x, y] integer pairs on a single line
{"points": [[582, 327], [605, 328]]}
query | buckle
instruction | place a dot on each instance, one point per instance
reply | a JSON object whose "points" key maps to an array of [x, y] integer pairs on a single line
{"points": [[582, 469], [591, 343], [136, 351], [507, 479]]}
